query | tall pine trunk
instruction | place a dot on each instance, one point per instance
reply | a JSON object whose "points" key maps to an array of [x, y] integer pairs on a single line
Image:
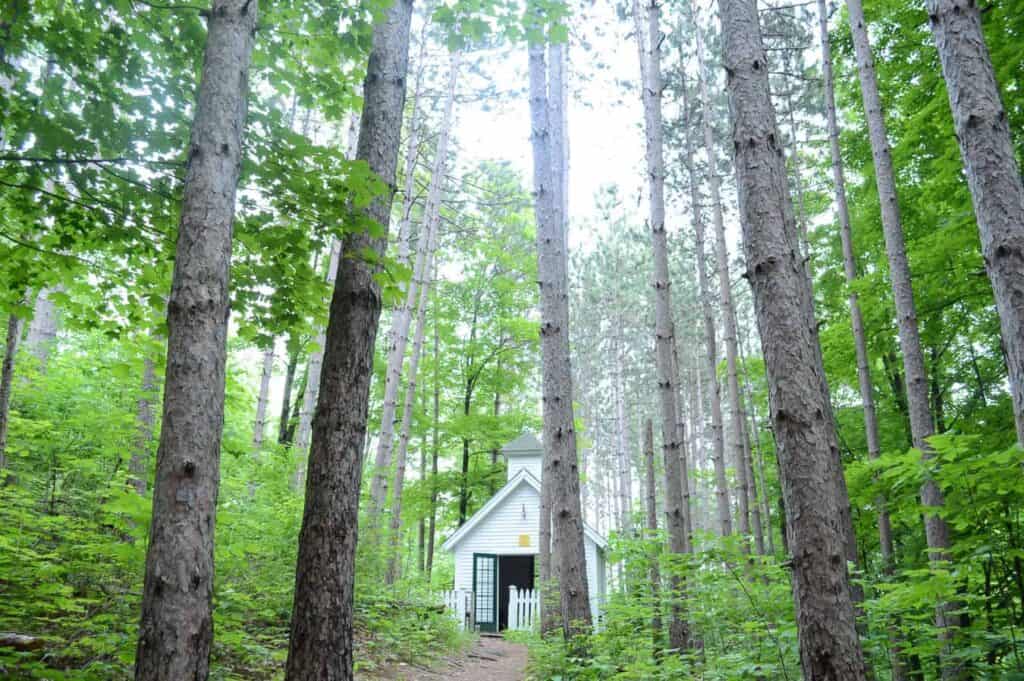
{"points": [[649, 52], [435, 448], [710, 342], [321, 644], [654, 574], [921, 423], [801, 412], [561, 472], [176, 630], [983, 131]]}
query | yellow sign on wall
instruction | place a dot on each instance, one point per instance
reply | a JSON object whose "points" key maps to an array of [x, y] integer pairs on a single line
{"points": [[524, 540]]}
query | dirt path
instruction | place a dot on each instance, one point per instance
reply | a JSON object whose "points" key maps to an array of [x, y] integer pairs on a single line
{"points": [[490, 659]]}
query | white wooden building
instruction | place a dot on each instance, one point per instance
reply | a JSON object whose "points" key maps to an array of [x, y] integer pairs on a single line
{"points": [[495, 551]]}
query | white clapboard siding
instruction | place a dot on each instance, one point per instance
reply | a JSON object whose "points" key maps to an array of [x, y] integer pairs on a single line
{"points": [[531, 464], [500, 532]]}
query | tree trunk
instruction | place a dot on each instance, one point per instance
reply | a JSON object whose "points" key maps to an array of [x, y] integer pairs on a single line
{"points": [[652, 525], [987, 149], [430, 235], [850, 268], [741, 443], [684, 468], [921, 425], [801, 412], [649, 52], [621, 445], [42, 330], [262, 402], [561, 473], [710, 345], [145, 422], [286, 400], [14, 325], [321, 644], [177, 600], [435, 451], [402, 317]]}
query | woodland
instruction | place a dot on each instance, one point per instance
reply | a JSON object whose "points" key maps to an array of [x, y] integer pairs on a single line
{"points": [[278, 280]]}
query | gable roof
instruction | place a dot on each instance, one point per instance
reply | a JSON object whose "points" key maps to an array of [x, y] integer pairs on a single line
{"points": [[523, 477], [527, 443]]}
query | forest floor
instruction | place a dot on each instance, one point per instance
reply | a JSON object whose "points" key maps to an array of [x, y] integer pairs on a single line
{"points": [[489, 659]]}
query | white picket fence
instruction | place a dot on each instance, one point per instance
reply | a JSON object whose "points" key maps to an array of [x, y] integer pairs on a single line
{"points": [[523, 608]]}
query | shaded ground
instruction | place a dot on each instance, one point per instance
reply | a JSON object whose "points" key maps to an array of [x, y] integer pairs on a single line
{"points": [[490, 659]]}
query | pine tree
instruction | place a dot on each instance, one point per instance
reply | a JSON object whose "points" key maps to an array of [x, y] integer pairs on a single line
{"points": [[801, 412], [176, 631]]}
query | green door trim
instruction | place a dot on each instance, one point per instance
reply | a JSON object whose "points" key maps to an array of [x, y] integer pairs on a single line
{"points": [[491, 625]]}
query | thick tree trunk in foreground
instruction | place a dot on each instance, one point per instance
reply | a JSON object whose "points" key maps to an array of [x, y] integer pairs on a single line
{"points": [[263, 400], [801, 412], [710, 344], [177, 600], [321, 645], [649, 51], [987, 149], [561, 472], [921, 424], [14, 325], [402, 317]]}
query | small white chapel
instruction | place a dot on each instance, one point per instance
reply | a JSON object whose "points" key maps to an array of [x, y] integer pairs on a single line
{"points": [[495, 550]]}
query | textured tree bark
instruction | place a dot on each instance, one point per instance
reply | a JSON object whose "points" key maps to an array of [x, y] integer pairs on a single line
{"points": [[177, 600], [649, 52], [402, 317], [321, 645], [654, 573], [921, 425], [561, 472], [286, 399], [14, 325], [710, 343], [42, 330], [145, 422], [262, 401], [801, 412], [986, 147]]}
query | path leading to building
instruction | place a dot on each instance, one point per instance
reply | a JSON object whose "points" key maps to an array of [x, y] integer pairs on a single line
{"points": [[490, 659]]}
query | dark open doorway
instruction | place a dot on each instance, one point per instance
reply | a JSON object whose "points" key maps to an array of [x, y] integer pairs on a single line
{"points": [[514, 571]]}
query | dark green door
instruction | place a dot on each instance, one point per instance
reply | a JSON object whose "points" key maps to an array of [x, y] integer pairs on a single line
{"points": [[485, 590]]}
